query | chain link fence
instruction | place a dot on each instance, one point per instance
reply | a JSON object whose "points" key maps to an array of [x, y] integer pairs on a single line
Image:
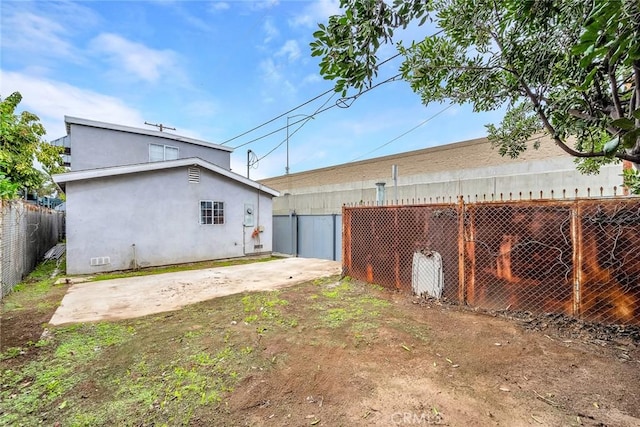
{"points": [[575, 257], [27, 232]]}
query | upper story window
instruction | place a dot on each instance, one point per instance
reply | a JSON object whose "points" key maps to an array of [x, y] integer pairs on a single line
{"points": [[159, 153]]}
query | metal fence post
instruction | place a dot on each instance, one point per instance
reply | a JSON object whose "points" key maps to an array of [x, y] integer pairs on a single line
{"points": [[461, 246], [576, 243]]}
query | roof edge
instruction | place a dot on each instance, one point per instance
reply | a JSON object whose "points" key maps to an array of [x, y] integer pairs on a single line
{"points": [[70, 120], [84, 175]]}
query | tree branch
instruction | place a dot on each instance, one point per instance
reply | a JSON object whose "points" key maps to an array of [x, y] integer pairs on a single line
{"points": [[588, 117], [614, 91]]}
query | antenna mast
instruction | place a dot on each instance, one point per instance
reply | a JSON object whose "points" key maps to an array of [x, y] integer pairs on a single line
{"points": [[159, 126]]}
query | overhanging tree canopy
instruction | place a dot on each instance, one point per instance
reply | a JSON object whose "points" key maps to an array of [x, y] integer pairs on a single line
{"points": [[22, 144], [570, 68]]}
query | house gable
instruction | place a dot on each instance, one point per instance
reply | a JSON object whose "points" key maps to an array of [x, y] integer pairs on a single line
{"points": [[125, 170]]}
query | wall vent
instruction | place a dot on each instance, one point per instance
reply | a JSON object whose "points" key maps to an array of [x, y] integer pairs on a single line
{"points": [[257, 246], [194, 175], [101, 260]]}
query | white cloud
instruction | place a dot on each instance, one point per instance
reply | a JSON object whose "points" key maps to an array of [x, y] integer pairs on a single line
{"points": [[317, 11], [217, 6], [275, 81], [141, 61], [264, 4], [44, 30], [51, 100], [30, 33], [201, 108], [177, 9], [311, 78], [270, 30], [290, 49], [270, 72]]}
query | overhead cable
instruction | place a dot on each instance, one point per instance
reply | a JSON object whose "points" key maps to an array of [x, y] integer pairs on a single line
{"points": [[405, 133]]}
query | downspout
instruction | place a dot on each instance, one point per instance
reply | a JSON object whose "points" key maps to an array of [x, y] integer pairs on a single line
{"points": [[258, 214]]}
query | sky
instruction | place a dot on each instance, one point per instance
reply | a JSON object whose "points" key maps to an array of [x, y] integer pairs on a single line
{"points": [[216, 71]]}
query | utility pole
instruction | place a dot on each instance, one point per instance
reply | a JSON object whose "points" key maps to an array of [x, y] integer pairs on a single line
{"points": [[248, 161], [159, 126], [286, 169]]}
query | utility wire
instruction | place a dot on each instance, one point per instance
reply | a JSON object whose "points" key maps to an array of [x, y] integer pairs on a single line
{"points": [[345, 102], [295, 108], [305, 120], [309, 101], [274, 119], [405, 133]]}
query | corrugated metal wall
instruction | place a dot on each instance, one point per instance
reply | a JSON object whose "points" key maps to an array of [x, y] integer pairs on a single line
{"points": [[27, 232], [308, 236]]}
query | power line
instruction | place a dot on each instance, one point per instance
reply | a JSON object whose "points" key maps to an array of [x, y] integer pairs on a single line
{"points": [[405, 133], [304, 120], [274, 119], [344, 102], [313, 99]]}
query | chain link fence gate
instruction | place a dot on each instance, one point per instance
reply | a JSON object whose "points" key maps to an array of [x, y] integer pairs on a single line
{"points": [[575, 257]]}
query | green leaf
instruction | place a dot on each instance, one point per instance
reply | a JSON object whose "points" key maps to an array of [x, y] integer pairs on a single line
{"points": [[630, 139], [624, 123], [587, 81]]}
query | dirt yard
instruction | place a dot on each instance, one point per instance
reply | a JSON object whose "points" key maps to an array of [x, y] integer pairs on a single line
{"points": [[436, 364], [328, 353]]}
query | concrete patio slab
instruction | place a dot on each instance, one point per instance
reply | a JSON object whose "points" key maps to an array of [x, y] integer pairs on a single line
{"points": [[143, 295]]}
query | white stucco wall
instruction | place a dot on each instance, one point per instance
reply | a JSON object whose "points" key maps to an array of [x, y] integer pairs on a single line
{"points": [[159, 212]]}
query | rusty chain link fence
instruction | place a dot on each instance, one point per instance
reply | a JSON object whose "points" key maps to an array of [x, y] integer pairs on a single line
{"points": [[575, 257]]}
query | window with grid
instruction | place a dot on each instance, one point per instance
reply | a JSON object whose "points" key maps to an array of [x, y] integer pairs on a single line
{"points": [[211, 212], [159, 153]]}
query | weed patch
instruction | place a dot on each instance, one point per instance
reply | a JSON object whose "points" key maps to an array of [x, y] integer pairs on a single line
{"points": [[266, 307], [347, 304], [43, 381]]}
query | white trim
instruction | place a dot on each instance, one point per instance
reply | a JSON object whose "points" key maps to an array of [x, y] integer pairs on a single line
{"points": [[102, 125], [164, 151], [153, 166]]}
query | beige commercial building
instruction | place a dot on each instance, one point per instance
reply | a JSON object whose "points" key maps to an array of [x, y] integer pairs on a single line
{"points": [[471, 168]]}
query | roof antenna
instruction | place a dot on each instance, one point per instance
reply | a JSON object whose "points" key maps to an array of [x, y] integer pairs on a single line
{"points": [[159, 126]]}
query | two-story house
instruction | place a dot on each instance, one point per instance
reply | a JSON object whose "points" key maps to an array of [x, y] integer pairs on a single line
{"points": [[140, 197]]}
